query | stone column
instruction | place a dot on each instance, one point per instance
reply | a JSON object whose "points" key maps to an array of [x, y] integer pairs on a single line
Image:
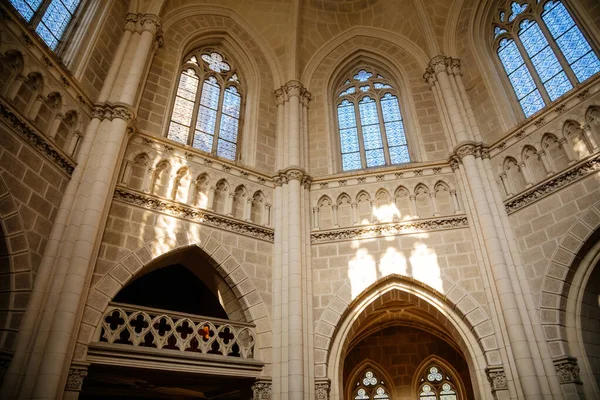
{"points": [[434, 204], [54, 125], [354, 213], [334, 215], [248, 211], [229, 204], [13, 88], [210, 202], [413, 205], [544, 157], [75, 379], [505, 184], [34, 109], [465, 134], [315, 217], [566, 145], [526, 174], [454, 196]]}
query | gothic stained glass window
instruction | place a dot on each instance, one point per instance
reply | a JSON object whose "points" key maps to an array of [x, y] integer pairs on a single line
{"points": [[542, 51], [370, 387], [208, 119], [26, 7], [370, 123], [55, 21], [436, 384]]}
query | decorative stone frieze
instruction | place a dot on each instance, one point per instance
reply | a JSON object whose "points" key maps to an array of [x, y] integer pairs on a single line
{"points": [[567, 370], [204, 217], [552, 185], [322, 387], [391, 229], [112, 111], [497, 378], [36, 139], [261, 390], [75, 378]]}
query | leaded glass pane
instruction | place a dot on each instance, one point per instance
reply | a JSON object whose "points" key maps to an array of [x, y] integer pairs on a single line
{"points": [[390, 108], [544, 60], [368, 111], [178, 133], [210, 93], [182, 111], [498, 31], [372, 137], [532, 103], [395, 133], [427, 393], [434, 375], [206, 120], [570, 40], [380, 393], [203, 141], [226, 149], [350, 90], [362, 76], [379, 85], [351, 161], [399, 155], [26, 7], [188, 85], [510, 56], [522, 82], [516, 9], [375, 158], [369, 379], [231, 102], [361, 395], [215, 62], [349, 140], [229, 128], [346, 116], [55, 20]]}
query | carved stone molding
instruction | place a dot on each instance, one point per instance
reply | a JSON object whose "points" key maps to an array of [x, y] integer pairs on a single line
{"points": [[438, 64], [112, 111], [322, 387], [204, 217], [294, 88], [465, 149], [75, 378], [567, 370], [294, 174], [261, 390], [552, 185], [497, 378], [280, 96], [36, 140], [389, 229]]}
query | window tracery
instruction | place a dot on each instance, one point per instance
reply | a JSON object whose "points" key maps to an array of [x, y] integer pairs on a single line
{"points": [[207, 108], [370, 124], [370, 387], [542, 51], [57, 14], [436, 384]]}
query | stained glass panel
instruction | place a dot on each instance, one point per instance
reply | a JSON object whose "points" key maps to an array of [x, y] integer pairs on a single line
{"points": [[399, 155], [350, 90], [570, 40], [362, 76], [375, 158], [229, 128], [498, 31], [379, 85], [178, 133], [226, 149], [215, 62], [206, 120], [231, 102], [26, 7], [182, 111], [203, 141], [348, 136], [55, 20], [516, 9], [544, 60], [427, 393], [368, 111], [351, 161], [210, 93], [346, 116]]}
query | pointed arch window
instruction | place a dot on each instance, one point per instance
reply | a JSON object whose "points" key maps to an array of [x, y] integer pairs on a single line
{"points": [[436, 384], [370, 124], [542, 50], [49, 18], [208, 105], [369, 386]]}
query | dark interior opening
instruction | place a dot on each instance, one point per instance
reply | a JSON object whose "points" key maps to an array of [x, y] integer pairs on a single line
{"points": [[173, 288]]}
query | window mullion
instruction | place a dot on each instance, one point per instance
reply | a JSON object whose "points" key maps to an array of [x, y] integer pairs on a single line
{"points": [[559, 55], [218, 121], [37, 16], [532, 71], [196, 110], [382, 131], [361, 144]]}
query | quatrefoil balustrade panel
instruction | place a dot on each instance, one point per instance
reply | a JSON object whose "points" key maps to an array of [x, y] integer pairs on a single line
{"points": [[138, 326]]}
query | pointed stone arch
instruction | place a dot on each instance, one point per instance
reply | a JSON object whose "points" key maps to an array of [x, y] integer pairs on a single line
{"points": [[138, 260], [466, 321]]}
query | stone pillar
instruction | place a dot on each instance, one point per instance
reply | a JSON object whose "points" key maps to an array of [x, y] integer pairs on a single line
{"points": [[413, 205], [442, 74], [434, 204], [267, 215], [34, 109], [334, 215], [566, 145], [229, 204], [526, 174], [54, 125], [354, 213], [210, 203], [505, 184], [454, 196], [248, 210], [315, 217], [50, 325], [13, 88]]}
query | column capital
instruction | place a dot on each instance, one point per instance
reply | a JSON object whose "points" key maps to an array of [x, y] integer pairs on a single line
{"points": [[294, 88], [280, 96], [497, 378], [261, 390], [567, 369], [305, 98], [307, 181], [455, 66], [111, 111], [77, 374], [438, 64], [294, 173], [465, 149], [454, 163], [145, 22], [322, 387]]}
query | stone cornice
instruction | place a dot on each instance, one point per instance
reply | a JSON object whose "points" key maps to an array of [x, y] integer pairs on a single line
{"points": [[36, 139], [567, 102], [194, 214], [497, 378], [552, 185], [390, 229]]}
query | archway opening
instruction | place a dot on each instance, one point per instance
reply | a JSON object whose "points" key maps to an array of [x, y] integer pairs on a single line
{"points": [[590, 322]]}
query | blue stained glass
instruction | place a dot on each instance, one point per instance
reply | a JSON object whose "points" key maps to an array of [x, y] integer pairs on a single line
{"points": [[210, 93], [188, 86], [516, 10], [368, 111], [231, 102], [510, 56], [349, 140], [71, 4], [229, 128], [203, 141], [390, 108], [498, 31], [375, 158], [399, 154], [178, 132], [226, 149], [206, 120], [47, 36], [557, 18], [379, 85], [546, 64], [558, 86], [26, 7], [532, 103], [362, 76], [365, 88], [573, 45], [522, 82], [350, 90], [346, 116], [586, 66], [502, 16], [372, 137], [395, 133], [55, 21], [351, 161], [532, 37]]}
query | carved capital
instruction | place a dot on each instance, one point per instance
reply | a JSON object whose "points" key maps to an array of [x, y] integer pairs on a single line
{"points": [[438, 64], [567, 370], [151, 23], [465, 149], [122, 112], [322, 388], [75, 379], [280, 96], [307, 181], [485, 152], [497, 378], [294, 174], [131, 22], [306, 98], [454, 163], [455, 66], [294, 88], [261, 390], [430, 77]]}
